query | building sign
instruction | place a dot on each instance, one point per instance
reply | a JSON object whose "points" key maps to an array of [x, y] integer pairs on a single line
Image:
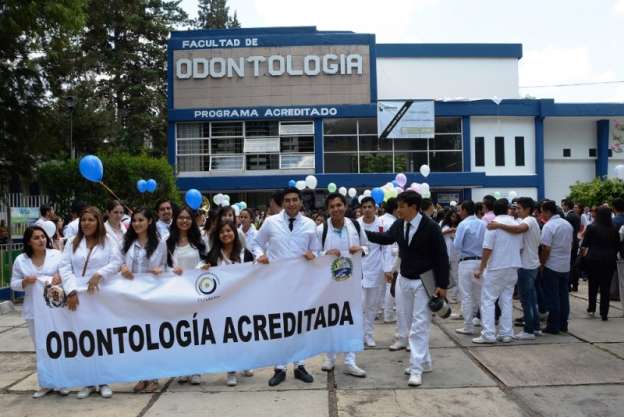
{"points": [[418, 122]]}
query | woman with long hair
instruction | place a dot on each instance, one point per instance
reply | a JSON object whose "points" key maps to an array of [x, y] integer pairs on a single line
{"points": [[600, 246], [114, 226], [223, 215], [37, 262], [227, 249], [249, 231], [88, 258]]}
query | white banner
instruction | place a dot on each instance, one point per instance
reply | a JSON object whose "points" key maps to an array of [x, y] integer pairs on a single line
{"points": [[417, 123], [229, 318]]}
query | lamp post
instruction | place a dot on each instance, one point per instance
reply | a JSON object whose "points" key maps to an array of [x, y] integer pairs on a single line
{"points": [[70, 102]]}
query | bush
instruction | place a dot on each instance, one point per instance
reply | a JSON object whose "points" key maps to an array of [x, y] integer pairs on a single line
{"points": [[62, 182], [597, 191]]}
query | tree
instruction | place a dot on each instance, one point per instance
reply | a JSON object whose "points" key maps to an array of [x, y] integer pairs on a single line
{"points": [[597, 192], [215, 14]]}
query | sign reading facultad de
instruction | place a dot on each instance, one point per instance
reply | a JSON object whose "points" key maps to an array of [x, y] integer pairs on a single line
{"points": [[417, 123]]}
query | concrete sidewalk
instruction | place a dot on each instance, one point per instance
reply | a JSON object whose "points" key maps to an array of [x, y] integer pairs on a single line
{"points": [[576, 374]]}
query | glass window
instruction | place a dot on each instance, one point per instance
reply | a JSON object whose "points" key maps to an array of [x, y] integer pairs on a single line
{"points": [[448, 125], [410, 145], [297, 144], [262, 128], [341, 162], [227, 145], [340, 143], [296, 161], [368, 126], [445, 161], [226, 163], [189, 130], [479, 151], [340, 126], [186, 147], [376, 162], [193, 163], [262, 162], [409, 161], [373, 143], [519, 151], [499, 151], [446, 142], [227, 129]]}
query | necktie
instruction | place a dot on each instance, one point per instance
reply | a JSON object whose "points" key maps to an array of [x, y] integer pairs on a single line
{"points": [[407, 227], [291, 224]]}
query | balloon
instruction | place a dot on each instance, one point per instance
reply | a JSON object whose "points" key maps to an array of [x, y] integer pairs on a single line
{"points": [[399, 190], [91, 168], [342, 190], [225, 203], [619, 172], [142, 186], [424, 187], [236, 209], [352, 192], [425, 170], [378, 195], [453, 203], [416, 187], [151, 185], [512, 195], [388, 185], [401, 179], [331, 187], [218, 199], [367, 193], [292, 183], [193, 198], [360, 198], [426, 194], [300, 185], [226, 198], [311, 182], [497, 195], [242, 205], [395, 183]]}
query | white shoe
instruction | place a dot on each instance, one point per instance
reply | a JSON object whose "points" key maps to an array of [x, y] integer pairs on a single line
{"points": [[397, 346], [369, 341], [538, 333], [463, 330], [426, 368], [591, 314], [195, 379], [353, 370], [390, 320], [524, 336], [328, 365], [231, 379], [483, 341], [457, 316], [504, 339], [415, 380], [106, 391], [85, 392], [476, 322], [41, 393], [248, 373], [63, 391]]}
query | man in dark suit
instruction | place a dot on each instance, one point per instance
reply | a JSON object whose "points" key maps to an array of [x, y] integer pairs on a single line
{"points": [[421, 249], [567, 206]]}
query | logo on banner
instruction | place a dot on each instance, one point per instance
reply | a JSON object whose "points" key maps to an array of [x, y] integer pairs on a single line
{"points": [[342, 269], [206, 284], [54, 296]]}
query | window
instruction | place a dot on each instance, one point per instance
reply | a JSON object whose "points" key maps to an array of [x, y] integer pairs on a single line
{"points": [[189, 147], [610, 153], [226, 163], [409, 161], [261, 128], [376, 162], [341, 143], [191, 130], [445, 161], [373, 143], [262, 162], [227, 129], [446, 142], [193, 163], [567, 152], [448, 125], [296, 161], [479, 151], [519, 151], [340, 126], [499, 151], [592, 153], [297, 144], [227, 145], [341, 162]]}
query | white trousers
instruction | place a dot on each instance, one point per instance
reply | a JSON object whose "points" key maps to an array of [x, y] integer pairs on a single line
{"points": [[31, 331], [389, 306], [370, 304], [283, 367], [412, 300], [469, 290], [453, 278], [498, 284]]}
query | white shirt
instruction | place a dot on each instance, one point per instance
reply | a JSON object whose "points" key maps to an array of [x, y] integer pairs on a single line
{"points": [[505, 246], [373, 262], [105, 260], [163, 229], [117, 235], [414, 223], [341, 239], [557, 234], [40, 221], [391, 257], [530, 244], [186, 257], [450, 248], [250, 240], [137, 261], [23, 267], [278, 242], [71, 229], [224, 260]]}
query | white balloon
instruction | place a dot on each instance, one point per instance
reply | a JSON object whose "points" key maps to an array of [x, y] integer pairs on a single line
{"points": [[225, 203], [352, 192], [424, 187], [367, 193], [360, 198], [300, 185], [218, 199], [414, 185], [389, 186], [311, 182], [425, 194], [512, 195], [453, 203], [226, 198], [342, 190], [425, 170], [236, 210]]}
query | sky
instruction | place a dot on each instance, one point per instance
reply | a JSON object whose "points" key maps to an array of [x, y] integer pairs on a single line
{"points": [[564, 41]]}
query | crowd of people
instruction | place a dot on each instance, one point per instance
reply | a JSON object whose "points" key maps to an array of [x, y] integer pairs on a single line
{"points": [[481, 252]]}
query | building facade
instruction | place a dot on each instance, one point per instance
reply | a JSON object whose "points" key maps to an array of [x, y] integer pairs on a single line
{"points": [[250, 109]]}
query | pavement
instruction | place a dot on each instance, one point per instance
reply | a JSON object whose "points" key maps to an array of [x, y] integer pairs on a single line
{"points": [[580, 373]]}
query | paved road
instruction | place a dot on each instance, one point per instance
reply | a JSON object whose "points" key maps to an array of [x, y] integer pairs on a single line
{"points": [[576, 374]]}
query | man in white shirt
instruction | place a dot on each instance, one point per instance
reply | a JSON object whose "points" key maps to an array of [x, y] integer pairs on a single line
{"points": [[341, 237], [47, 214], [71, 229], [288, 234], [555, 259], [165, 216], [501, 257], [530, 231]]}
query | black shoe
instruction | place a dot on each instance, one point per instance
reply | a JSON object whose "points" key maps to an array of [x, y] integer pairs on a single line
{"points": [[550, 331], [303, 375], [278, 377], [605, 318]]}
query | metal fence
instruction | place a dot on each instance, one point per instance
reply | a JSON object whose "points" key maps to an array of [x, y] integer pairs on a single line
{"points": [[19, 200], [8, 253]]}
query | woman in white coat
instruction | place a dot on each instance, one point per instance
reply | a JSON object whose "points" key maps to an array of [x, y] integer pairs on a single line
{"points": [[38, 262], [114, 226], [88, 258]]}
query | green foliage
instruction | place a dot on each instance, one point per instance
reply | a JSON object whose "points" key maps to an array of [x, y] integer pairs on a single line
{"points": [[215, 14], [62, 182], [597, 191]]}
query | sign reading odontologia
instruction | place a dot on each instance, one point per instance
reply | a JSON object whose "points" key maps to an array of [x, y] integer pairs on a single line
{"points": [[229, 318]]}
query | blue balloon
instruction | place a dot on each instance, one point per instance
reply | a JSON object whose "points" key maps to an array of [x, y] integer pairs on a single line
{"points": [[91, 168], [395, 183], [193, 198], [292, 183], [142, 186], [151, 185], [378, 195]]}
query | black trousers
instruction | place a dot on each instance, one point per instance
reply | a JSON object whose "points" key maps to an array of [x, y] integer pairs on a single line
{"points": [[600, 274]]}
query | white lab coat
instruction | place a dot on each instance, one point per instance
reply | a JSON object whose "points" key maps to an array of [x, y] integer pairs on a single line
{"points": [[137, 261]]}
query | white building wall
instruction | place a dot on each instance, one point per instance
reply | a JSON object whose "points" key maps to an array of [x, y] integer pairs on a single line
{"points": [[616, 137], [509, 128], [438, 78], [479, 193]]}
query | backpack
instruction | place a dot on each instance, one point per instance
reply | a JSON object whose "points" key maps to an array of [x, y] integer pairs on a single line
{"points": [[356, 224]]}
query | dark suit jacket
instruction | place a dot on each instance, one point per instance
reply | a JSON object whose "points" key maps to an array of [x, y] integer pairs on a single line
{"points": [[575, 221], [426, 250]]}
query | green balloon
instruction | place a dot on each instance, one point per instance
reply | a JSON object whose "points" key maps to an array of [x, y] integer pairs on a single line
{"points": [[331, 187]]}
